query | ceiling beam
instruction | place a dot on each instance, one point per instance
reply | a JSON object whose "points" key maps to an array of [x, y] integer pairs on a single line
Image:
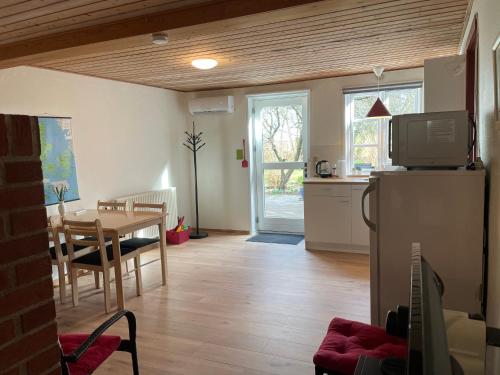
{"points": [[468, 13], [133, 31]]}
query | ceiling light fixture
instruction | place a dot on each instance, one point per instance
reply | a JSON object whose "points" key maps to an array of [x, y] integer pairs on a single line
{"points": [[160, 39], [378, 110], [204, 63]]}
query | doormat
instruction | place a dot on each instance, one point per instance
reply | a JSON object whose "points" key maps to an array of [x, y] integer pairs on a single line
{"points": [[285, 239]]}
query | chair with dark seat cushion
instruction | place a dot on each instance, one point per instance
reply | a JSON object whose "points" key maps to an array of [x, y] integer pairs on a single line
{"points": [[101, 259], [112, 205], [137, 242], [64, 250], [144, 244], [59, 255], [82, 354], [109, 206], [94, 258], [92, 238], [347, 340]]}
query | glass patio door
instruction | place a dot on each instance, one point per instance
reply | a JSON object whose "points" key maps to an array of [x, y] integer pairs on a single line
{"points": [[280, 131]]}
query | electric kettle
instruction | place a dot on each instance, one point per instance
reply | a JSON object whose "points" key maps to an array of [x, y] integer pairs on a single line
{"points": [[323, 169]]}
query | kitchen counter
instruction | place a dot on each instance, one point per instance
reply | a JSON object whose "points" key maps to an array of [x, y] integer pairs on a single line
{"points": [[350, 180]]}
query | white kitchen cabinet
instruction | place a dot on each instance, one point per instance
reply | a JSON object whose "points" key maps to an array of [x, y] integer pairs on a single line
{"points": [[332, 217]]}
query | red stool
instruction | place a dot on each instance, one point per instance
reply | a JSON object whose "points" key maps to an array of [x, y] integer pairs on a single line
{"points": [[347, 340]]}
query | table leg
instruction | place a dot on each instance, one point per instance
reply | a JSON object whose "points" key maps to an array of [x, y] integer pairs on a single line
{"points": [[163, 251], [120, 299]]}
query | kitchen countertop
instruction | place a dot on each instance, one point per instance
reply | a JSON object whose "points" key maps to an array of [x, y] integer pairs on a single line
{"points": [[350, 180]]}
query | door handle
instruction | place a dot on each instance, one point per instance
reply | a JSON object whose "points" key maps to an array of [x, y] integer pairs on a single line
{"points": [[371, 187], [389, 143]]}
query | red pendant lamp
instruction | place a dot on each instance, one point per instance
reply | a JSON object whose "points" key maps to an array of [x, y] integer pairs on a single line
{"points": [[378, 110]]}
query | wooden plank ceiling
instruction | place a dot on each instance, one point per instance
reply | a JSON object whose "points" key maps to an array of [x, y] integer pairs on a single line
{"points": [[23, 19], [321, 39]]}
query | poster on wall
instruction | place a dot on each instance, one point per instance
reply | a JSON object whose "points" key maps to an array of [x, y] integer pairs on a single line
{"points": [[58, 159]]}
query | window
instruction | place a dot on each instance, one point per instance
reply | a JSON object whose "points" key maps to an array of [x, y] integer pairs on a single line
{"points": [[367, 138]]}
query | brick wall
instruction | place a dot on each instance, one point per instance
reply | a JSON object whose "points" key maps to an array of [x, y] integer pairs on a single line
{"points": [[28, 332]]}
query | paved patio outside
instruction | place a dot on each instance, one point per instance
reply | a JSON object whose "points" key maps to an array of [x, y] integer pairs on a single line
{"points": [[284, 206]]}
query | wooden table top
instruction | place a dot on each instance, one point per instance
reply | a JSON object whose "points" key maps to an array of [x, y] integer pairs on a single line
{"points": [[114, 220]]}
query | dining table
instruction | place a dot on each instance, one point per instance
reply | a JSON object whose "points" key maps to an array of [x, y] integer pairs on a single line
{"points": [[116, 224]]}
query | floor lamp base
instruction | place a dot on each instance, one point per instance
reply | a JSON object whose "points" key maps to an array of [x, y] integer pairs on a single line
{"points": [[197, 236]]}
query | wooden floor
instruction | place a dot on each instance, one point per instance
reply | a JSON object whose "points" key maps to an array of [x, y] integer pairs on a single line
{"points": [[230, 307]]}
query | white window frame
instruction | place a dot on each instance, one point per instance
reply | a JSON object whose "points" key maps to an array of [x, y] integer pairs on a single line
{"points": [[382, 136]]}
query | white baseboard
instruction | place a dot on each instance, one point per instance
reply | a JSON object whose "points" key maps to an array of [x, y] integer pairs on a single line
{"points": [[345, 248]]}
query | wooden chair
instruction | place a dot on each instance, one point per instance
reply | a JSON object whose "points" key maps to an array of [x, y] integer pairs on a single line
{"points": [[59, 257], [100, 260], [111, 205], [82, 354], [144, 244]]}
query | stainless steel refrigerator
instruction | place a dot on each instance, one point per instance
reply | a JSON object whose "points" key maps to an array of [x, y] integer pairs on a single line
{"points": [[443, 211]]}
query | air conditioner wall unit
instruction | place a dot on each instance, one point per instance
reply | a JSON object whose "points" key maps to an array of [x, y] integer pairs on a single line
{"points": [[212, 104]]}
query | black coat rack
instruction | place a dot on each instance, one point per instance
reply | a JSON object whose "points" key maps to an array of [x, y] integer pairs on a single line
{"points": [[193, 142]]}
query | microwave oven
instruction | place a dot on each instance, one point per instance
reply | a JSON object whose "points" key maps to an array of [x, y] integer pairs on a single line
{"points": [[430, 140]]}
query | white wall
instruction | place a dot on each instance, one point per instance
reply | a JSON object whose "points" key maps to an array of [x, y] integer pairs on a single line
{"points": [[489, 29], [144, 127], [127, 138], [224, 185]]}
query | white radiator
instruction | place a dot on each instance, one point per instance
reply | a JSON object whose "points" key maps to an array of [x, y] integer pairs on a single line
{"points": [[169, 196]]}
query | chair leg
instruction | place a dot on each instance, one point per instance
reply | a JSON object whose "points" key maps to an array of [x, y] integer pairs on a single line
{"points": [[96, 279], [138, 274], [126, 267], [62, 282], [107, 290], [74, 284], [135, 363]]}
